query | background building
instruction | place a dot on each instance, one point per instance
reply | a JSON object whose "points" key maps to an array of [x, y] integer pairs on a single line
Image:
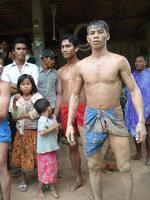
{"points": [[45, 21]]}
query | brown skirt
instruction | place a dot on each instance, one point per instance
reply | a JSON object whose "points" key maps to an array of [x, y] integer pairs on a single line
{"points": [[24, 151]]}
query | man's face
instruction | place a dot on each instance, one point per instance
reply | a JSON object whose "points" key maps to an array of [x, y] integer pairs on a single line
{"points": [[97, 37], [20, 51], [140, 63], [4, 46], [67, 49], [49, 62]]}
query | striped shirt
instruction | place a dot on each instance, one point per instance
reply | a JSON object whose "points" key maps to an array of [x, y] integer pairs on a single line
{"points": [[46, 143]]}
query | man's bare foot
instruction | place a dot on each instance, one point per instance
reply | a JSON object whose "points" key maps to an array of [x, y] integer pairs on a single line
{"points": [[147, 162], [136, 157], [40, 195], [92, 198], [75, 186], [54, 192]]}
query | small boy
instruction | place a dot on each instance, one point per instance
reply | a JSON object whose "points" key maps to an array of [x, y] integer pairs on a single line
{"points": [[46, 147]]}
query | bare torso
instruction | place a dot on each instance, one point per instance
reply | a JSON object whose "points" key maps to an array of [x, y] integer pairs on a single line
{"points": [[102, 81], [4, 98], [67, 81], [0, 86]]}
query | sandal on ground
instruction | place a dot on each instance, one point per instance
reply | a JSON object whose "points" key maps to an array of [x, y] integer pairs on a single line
{"points": [[23, 187]]}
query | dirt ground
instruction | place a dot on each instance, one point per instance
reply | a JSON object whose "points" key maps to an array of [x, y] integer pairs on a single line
{"points": [[112, 186]]}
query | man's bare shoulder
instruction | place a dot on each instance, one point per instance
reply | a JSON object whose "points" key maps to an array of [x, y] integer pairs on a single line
{"points": [[83, 63], [61, 69], [119, 60], [118, 57]]}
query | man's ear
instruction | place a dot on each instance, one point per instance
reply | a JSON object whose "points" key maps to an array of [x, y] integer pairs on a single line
{"points": [[43, 59], [76, 49], [13, 51], [87, 38], [108, 36]]}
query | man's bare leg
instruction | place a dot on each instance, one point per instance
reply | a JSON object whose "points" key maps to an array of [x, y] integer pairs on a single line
{"points": [[121, 149], [4, 174], [1, 193], [94, 165], [148, 145], [138, 154], [83, 141], [76, 165]]}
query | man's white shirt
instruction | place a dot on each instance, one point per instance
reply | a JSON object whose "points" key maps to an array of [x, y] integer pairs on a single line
{"points": [[11, 72]]}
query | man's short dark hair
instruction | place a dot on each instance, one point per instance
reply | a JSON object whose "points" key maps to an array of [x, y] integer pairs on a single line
{"points": [[19, 40], [41, 105], [98, 23], [72, 39], [48, 53], [142, 55]]}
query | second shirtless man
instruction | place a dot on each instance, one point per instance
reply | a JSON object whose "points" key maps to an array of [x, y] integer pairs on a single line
{"points": [[69, 48]]}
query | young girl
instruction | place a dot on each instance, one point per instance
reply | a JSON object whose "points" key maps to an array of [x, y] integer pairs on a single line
{"points": [[46, 147], [24, 147]]}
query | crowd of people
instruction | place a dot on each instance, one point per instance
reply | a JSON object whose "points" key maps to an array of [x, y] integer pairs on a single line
{"points": [[82, 98]]}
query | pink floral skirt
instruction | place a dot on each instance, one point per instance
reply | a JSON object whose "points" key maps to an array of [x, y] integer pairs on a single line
{"points": [[47, 167]]}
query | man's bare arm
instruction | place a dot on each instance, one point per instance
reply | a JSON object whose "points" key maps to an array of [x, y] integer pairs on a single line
{"points": [[73, 104], [135, 95], [59, 94], [4, 99], [13, 88], [75, 96]]}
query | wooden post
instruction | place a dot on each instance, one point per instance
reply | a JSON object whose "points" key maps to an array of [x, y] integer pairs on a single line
{"points": [[38, 29]]}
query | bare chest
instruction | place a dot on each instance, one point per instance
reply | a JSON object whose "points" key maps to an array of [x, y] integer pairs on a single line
{"points": [[67, 77], [98, 73]]}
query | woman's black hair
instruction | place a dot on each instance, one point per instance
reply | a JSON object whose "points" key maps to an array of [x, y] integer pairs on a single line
{"points": [[22, 78]]}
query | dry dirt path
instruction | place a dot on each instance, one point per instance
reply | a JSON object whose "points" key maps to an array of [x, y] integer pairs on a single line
{"points": [[112, 187]]}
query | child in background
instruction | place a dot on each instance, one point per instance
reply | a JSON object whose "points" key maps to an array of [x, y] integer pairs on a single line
{"points": [[46, 147], [24, 147]]}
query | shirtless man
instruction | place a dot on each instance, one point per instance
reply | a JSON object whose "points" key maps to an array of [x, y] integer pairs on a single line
{"points": [[5, 138], [101, 73], [69, 48]]}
